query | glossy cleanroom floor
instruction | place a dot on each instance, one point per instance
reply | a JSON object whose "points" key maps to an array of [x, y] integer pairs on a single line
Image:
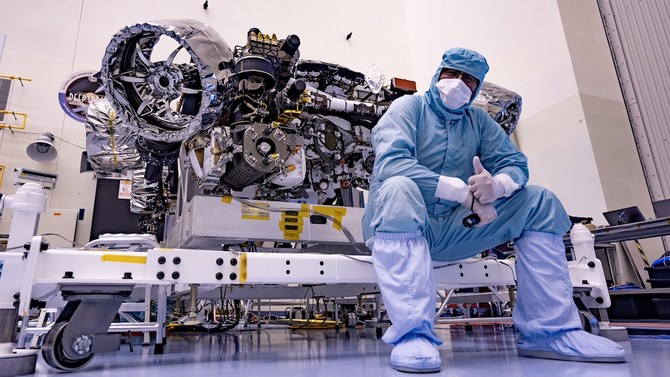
{"points": [[354, 352]]}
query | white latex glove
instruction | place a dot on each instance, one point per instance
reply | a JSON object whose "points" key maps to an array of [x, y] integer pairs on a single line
{"points": [[455, 189], [451, 188], [485, 187], [486, 212]]}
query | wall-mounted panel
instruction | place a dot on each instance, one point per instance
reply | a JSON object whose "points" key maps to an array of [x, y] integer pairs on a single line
{"points": [[638, 35]]}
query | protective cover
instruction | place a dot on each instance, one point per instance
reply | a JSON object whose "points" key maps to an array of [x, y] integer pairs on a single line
{"points": [[503, 105], [110, 144], [143, 195]]}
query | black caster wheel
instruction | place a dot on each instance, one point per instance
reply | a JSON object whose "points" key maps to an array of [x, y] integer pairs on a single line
{"points": [[589, 322], [52, 351]]}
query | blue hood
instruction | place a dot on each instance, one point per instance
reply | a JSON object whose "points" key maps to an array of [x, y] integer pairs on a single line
{"points": [[464, 60]]}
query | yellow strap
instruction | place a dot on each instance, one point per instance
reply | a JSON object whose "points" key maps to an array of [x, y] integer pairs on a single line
{"points": [[243, 267], [337, 212], [112, 115]]}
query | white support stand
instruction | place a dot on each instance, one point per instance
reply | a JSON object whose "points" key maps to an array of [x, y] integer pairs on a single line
{"points": [[586, 271], [146, 339], [46, 315], [26, 204], [252, 274]]}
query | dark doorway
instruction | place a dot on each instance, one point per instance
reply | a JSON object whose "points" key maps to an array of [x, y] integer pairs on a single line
{"points": [[111, 214]]}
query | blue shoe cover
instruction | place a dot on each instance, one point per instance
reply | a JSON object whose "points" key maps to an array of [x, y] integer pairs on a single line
{"points": [[416, 354], [576, 345]]}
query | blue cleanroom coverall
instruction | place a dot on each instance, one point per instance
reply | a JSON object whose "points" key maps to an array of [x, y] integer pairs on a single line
{"points": [[406, 225]]}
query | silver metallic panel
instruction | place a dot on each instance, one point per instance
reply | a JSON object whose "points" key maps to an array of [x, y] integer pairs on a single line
{"points": [[110, 144], [503, 105]]}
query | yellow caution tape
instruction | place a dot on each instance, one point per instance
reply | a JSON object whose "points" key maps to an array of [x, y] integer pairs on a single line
{"points": [[243, 268], [337, 212], [292, 222], [123, 258], [253, 213]]}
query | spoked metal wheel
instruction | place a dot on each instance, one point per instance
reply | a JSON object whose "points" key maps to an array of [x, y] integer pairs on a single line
{"points": [[52, 351], [163, 92], [164, 78]]}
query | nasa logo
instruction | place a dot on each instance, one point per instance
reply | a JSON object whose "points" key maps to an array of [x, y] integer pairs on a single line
{"points": [[78, 91]]}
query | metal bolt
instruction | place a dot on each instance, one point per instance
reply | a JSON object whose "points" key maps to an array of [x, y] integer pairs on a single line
{"points": [[219, 276], [161, 260], [233, 276], [219, 261], [82, 344], [160, 275], [176, 260], [592, 264], [233, 261], [175, 275]]}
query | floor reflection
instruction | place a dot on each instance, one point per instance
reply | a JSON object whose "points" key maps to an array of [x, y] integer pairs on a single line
{"points": [[352, 352]]}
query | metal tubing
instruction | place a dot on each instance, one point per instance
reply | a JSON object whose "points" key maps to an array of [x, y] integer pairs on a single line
{"points": [[114, 327]]}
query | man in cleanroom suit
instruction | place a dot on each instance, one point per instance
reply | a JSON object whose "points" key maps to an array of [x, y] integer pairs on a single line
{"points": [[438, 160]]}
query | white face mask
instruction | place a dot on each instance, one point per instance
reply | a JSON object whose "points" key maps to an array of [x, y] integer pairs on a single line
{"points": [[454, 93]]}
